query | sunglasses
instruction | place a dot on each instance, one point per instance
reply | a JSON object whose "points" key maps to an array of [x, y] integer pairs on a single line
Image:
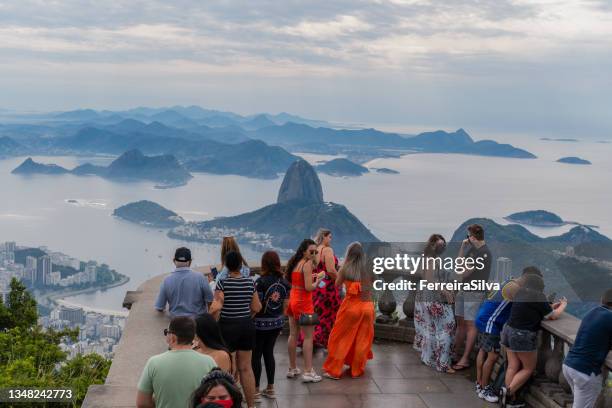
{"points": [[167, 332], [314, 252]]}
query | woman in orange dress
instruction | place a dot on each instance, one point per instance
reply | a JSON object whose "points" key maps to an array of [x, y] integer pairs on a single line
{"points": [[350, 341], [299, 272]]}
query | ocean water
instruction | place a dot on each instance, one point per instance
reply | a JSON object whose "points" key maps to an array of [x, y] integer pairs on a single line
{"points": [[432, 193]]}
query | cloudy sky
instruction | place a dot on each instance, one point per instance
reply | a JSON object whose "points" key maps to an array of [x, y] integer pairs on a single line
{"points": [[523, 66]]}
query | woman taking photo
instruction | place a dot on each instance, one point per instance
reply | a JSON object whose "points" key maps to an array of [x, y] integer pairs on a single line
{"points": [[273, 290], [520, 334], [235, 302], [217, 387], [299, 271], [209, 341], [326, 296], [350, 341], [433, 315]]}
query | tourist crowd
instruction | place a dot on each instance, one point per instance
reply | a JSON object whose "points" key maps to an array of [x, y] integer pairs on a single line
{"points": [[226, 320]]}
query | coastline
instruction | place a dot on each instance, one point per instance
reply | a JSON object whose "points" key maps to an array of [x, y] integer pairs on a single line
{"points": [[53, 297]]}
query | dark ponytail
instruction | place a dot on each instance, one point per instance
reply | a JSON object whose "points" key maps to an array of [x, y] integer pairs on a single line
{"points": [[297, 257]]}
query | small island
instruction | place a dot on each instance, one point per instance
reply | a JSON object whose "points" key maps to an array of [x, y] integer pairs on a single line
{"points": [[149, 214], [385, 170], [342, 168], [573, 160], [29, 167], [536, 218]]}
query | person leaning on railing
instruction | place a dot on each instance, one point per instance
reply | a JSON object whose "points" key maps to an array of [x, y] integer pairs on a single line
{"points": [[519, 335], [583, 363]]}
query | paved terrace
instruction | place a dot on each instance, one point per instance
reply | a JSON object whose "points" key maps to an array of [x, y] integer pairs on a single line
{"points": [[395, 378]]}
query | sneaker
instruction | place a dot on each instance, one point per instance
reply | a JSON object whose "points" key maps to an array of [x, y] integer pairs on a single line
{"points": [[269, 393], [516, 404], [478, 389], [257, 397], [488, 394], [503, 396], [312, 377], [293, 372], [328, 375]]}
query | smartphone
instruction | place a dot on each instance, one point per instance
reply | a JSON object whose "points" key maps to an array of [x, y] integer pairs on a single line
{"points": [[214, 272]]}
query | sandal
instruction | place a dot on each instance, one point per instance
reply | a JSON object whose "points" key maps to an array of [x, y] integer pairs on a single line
{"points": [[460, 367], [268, 393]]}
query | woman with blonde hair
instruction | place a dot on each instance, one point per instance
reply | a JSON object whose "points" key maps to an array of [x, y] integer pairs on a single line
{"points": [[326, 296], [350, 341], [229, 244]]}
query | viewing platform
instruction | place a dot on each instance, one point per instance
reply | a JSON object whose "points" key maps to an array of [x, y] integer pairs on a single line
{"points": [[395, 378]]}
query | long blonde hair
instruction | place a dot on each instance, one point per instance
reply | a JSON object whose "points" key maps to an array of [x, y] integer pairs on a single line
{"points": [[321, 234], [228, 245], [355, 266]]}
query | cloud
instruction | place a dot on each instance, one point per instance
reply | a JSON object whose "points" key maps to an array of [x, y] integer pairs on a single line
{"points": [[455, 47]]}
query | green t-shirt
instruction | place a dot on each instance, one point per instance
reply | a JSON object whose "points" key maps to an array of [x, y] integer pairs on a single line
{"points": [[173, 376]]}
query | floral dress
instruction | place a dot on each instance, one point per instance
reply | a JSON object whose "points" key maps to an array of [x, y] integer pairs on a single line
{"points": [[434, 322], [326, 304]]}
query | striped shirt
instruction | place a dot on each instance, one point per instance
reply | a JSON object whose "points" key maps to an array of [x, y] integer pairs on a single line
{"points": [[237, 297]]}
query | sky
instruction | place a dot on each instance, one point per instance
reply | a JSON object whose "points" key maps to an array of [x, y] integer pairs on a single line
{"points": [[508, 66]]}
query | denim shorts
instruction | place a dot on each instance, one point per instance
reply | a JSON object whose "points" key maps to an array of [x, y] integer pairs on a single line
{"points": [[519, 340], [489, 343]]}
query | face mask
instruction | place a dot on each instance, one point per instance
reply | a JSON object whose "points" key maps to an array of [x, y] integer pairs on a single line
{"points": [[228, 403]]}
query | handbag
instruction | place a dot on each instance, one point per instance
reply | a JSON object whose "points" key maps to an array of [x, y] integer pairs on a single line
{"points": [[308, 319]]}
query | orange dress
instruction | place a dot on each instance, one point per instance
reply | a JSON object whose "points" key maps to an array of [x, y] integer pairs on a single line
{"points": [[300, 300], [350, 341]]}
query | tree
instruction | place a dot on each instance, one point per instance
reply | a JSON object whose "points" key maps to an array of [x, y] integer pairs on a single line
{"points": [[21, 307], [32, 357]]}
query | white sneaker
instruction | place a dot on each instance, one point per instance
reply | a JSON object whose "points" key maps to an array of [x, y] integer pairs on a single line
{"points": [[293, 372], [312, 377], [488, 394]]}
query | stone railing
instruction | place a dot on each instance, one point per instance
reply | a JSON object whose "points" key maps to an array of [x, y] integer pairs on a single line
{"points": [[549, 388]]}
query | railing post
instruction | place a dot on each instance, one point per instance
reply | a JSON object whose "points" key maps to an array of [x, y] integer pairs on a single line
{"points": [[552, 366]]}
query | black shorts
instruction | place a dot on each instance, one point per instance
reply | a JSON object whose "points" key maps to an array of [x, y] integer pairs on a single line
{"points": [[239, 334]]}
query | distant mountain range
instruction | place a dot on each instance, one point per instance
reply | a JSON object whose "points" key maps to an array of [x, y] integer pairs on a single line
{"points": [[573, 263], [292, 134], [193, 133], [298, 213], [130, 166]]}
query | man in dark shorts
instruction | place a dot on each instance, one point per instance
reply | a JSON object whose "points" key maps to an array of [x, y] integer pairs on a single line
{"points": [[492, 316], [467, 303]]}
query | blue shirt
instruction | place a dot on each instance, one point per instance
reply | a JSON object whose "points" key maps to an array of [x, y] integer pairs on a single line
{"points": [[186, 292], [245, 271], [593, 342], [494, 312]]}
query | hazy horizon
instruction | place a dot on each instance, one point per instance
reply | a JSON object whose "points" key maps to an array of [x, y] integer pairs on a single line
{"points": [[516, 66]]}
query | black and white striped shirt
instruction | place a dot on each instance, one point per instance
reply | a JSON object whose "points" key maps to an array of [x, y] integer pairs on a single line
{"points": [[237, 297]]}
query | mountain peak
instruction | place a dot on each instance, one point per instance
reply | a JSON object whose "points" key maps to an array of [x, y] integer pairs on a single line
{"points": [[301, 183]]}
